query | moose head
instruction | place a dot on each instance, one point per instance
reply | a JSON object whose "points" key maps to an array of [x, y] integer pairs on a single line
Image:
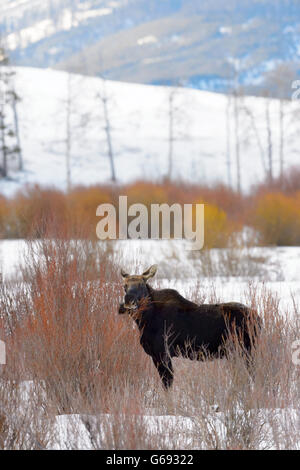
{"points": [[136, 289]]}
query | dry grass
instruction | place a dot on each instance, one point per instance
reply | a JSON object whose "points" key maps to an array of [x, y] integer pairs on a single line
{"points": [[252, 413], [64, 335]]}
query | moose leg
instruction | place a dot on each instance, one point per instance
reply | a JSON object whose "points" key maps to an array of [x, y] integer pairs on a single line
{"points": [[165, 370]]}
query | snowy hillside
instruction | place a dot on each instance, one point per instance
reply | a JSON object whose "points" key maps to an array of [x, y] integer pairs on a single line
{"points": [[42, 33], [139, 120], [190, 40]]}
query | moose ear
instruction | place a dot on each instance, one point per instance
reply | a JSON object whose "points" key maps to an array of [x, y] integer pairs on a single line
{"points": [[124, 274], [150, 272]]}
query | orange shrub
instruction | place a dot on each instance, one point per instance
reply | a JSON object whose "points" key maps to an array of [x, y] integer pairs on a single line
{"points": [[65, 328], [35, 211], [217, 228], [82, 204], [234, 204], [288, 183], [4, 212], [145, 193], [277, 219]]}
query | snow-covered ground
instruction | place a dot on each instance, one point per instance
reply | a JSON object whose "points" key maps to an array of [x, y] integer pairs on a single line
{"points": [[139, 120], [277, 268], [170, 431], [177, 432], [281, 276]]}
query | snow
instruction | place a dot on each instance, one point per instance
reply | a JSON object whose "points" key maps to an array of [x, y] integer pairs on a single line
{"points": [[139, 123], [72, 431], [47, 27], [281, 274], [30, 21], [29, 35], [79, 431], [93, 13], [104, 431], [225, 30], [146, 40], [140, 127]]}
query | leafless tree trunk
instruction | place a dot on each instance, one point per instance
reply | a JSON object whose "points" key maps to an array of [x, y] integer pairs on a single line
{"points": [[171, 132], [249, 113], [237, 141], [68, 131], [10, 144], [15, 100], [228, 144], [279, 81], [269, 140], [3, 142], [3, 99], [107, 127], [175, 117], [281, 136], [73, 120]]}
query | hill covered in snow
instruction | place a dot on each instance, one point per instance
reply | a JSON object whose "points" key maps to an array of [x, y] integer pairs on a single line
{"points": [[156, 41], [59, 110]]}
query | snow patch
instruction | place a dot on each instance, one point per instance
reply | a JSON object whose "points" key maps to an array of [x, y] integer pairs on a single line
{"points": [[87, 14], [225, 30], [146, 40]]}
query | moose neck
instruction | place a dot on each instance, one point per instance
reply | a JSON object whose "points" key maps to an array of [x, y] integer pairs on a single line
{"points": [[139, 316]]}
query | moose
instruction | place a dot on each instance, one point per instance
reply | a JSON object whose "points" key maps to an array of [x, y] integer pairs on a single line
{"points": [[171, 325]]}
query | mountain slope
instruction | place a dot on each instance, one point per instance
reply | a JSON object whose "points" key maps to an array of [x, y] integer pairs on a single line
{"points": [[208, 45], [139, 121], [205, 51]]}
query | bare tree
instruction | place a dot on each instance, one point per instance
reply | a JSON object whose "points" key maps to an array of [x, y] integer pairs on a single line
{"points": [[281, 135], [171, 113], [3, 107], [228, 140], [75, 120], [237, 140], [278, 83], [175, 117], [282, 79], [3, 145], [269, 139], [68, 130], [72, 121], [10, 144], [106, 102], [236, 93], [249, 112], [14, 102], [104, 99]]}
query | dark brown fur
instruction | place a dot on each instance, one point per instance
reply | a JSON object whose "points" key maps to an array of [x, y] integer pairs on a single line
{"points": [[171, 325]]}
